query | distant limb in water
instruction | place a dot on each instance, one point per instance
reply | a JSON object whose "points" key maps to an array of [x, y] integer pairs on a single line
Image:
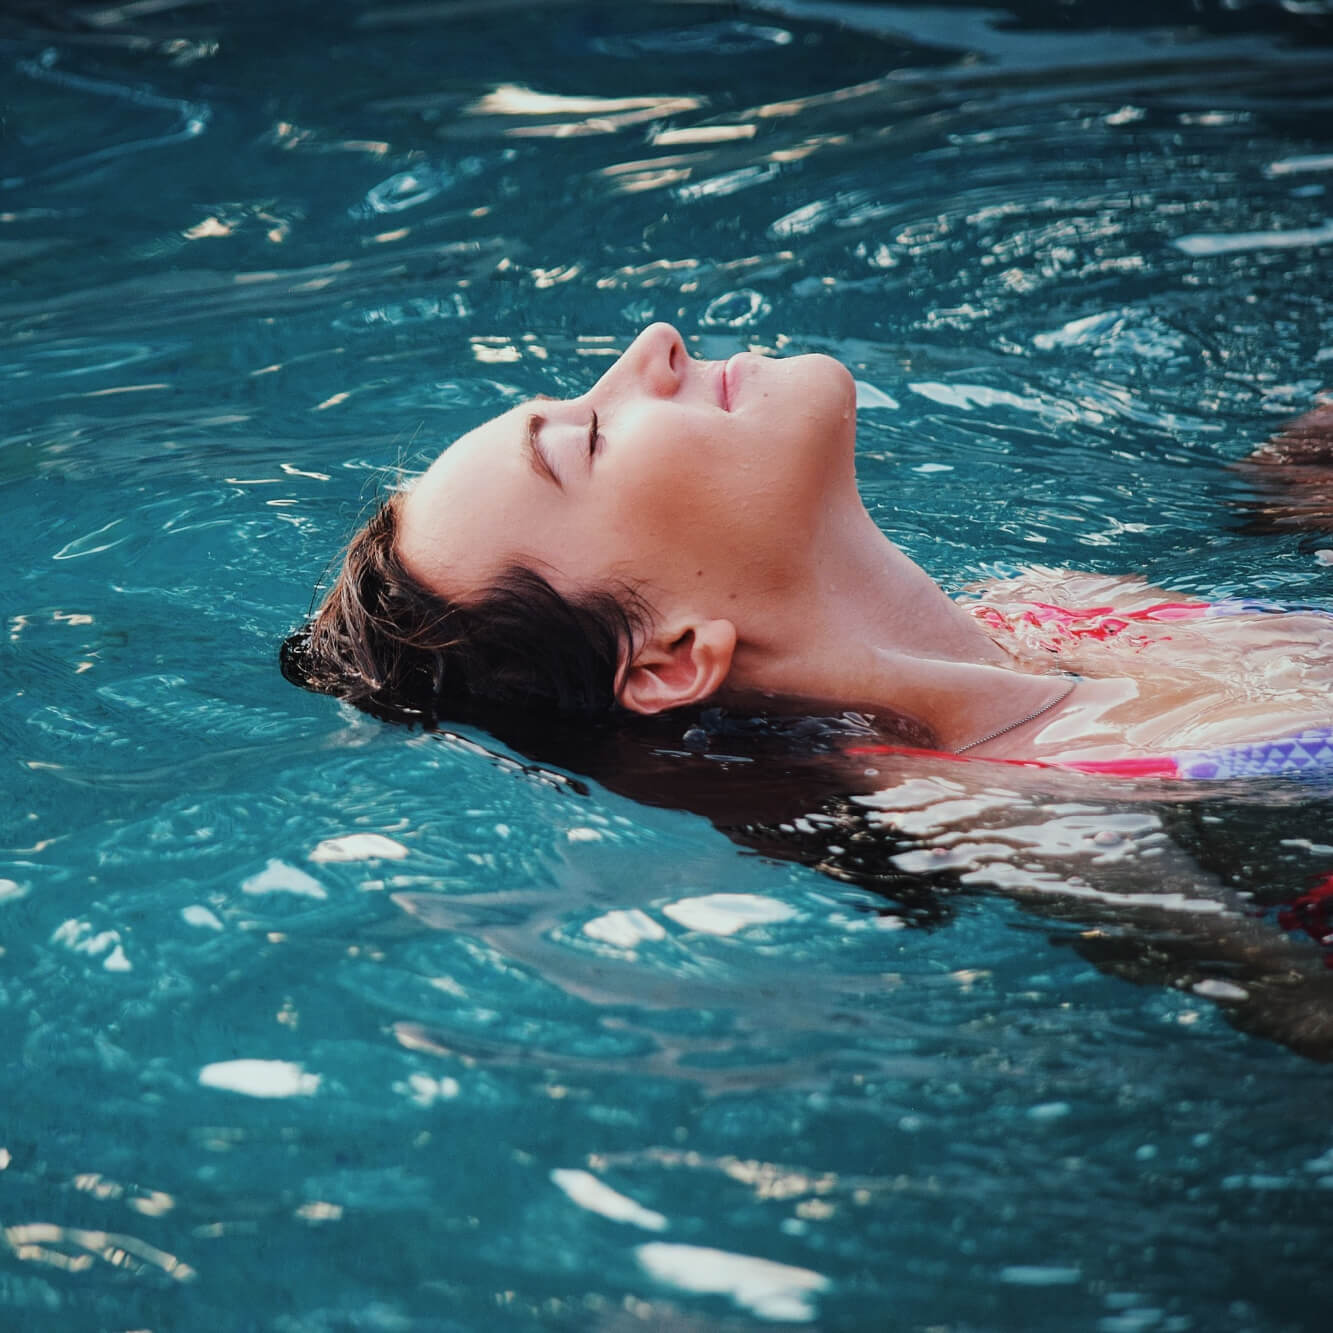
{"points": [[1292, 475]]}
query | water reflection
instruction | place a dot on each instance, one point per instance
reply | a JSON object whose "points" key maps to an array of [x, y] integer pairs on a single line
{"points": [[271, 969], [192, 118], [74, 1250]]}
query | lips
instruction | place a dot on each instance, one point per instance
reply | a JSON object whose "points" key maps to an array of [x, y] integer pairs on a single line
{"points": [[731, 380]]}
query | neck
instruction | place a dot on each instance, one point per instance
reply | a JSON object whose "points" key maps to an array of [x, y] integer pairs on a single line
{"points": [[862, 626]]}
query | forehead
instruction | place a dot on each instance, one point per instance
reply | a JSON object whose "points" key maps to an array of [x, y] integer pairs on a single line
{"points": [[473, 447], [450, 517]]}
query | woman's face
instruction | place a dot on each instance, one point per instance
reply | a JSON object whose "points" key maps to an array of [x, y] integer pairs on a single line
{"points": [[699, 483]]}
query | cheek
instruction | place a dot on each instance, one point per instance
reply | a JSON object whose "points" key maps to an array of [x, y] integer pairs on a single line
{"points": [[652, 527], [714, 530]]}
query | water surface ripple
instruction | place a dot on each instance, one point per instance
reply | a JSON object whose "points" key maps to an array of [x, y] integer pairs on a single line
{"points": [[313, 1025]]}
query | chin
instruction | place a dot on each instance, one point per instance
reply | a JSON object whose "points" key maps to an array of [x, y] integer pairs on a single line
{"points": [[829, 392], [818, 407], [828, 381]]}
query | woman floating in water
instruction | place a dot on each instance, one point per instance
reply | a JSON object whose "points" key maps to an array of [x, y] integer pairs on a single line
{"points": [[670, 584], [690, 532]]}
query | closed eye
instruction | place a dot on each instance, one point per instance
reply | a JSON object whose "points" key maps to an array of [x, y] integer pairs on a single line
{"points": [[594, 439], [537, 458]]}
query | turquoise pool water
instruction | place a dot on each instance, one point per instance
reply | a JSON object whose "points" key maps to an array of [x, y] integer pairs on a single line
{"points": [[311, 1024]]}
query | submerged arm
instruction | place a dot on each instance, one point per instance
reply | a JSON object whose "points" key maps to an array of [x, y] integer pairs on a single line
{"points": [[1292, 475], [1121, 871]]}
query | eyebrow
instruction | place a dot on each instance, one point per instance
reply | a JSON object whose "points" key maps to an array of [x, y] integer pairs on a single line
{"points": [[540, 463]]}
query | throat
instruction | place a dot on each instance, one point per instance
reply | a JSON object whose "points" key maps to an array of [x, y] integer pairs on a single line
{"points": [[972, 706], [866, 591], [1059, 697], [859, 625]]}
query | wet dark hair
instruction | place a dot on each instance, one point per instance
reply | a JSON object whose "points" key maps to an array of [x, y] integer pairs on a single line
{"points": [[385, 642], [538, 671]]}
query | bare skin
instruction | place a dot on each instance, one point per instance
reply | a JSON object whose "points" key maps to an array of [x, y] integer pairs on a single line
{"points": [[1293, 476], [726, 494], [729, 501], [1170, 684]]}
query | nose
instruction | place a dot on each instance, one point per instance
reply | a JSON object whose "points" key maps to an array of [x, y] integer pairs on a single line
{"points": [[654, 363]]}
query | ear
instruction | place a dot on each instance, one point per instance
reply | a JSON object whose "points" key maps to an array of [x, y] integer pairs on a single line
{"points": [[678, 667]]}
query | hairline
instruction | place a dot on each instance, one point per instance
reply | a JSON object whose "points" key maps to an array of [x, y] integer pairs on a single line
{"points": [[629, 596]]}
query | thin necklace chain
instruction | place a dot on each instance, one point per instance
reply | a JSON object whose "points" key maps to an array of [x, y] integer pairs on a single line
{"points": [[1014, 726]]}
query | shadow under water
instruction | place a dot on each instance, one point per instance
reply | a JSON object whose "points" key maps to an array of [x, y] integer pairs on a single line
{"points": [[1214, 889]]}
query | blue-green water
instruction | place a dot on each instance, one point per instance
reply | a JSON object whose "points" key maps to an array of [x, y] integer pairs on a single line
{"points": [[255, 258]]}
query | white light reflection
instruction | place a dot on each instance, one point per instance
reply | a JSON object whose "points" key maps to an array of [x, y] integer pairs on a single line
{"points": [[702, 134], [726, 913], [1205, 244], [964, 831], [810, 217], [624, 928], [599, 115], [767, 1289], [358, 847], [735, 310], [729, 182], [210, 226], [34, 1242], [80, 937], [260, 1078], [279, 877], [126, 388], [1290, 166], [585, 1190], [11, 889], [511, 99], [967, 396], [869, 397]]}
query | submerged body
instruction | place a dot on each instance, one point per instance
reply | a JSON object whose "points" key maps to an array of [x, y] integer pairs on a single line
{"points": [[1161, 673]]}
